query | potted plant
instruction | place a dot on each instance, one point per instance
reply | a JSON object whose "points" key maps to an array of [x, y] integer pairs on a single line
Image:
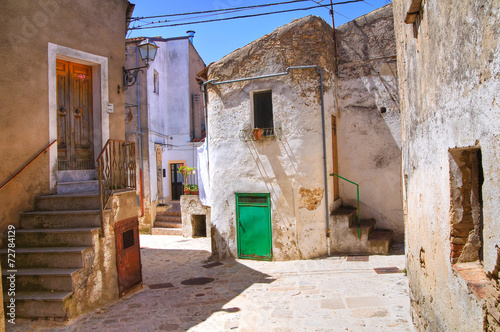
{"points": [[186, 171], [187, 189], [257, 133], [194, 189]]}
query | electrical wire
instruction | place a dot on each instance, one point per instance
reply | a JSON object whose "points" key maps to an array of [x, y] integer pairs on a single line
{"points": [[218, 10], [140, 27]]}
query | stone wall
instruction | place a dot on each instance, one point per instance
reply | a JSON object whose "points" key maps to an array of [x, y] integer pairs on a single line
{"points": [[449, 71], [34, 34], [368, 124], [289, 167], [195, 217]]}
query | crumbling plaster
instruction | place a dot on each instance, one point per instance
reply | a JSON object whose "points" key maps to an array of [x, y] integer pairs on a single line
{"points": [[449, 65], [283, 166]]}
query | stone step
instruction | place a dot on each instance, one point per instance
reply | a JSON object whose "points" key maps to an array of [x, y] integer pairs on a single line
{"points": [[166, 231], [168, 214], [61, 219], [90, 186], [39, 304], [56, 237], [365, 227], [51, 280], [168, 218], [67, 202], [81, 175], [380, 241], [46, 257], [168, 224]]}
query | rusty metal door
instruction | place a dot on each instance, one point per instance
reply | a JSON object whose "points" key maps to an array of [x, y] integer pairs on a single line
{"points": [[128, 254]]}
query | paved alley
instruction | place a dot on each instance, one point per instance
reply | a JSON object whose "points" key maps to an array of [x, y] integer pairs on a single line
{"points": [[183, 291]]}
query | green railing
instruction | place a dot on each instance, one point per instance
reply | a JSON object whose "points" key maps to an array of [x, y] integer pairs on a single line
{"points": [[357, 191]]}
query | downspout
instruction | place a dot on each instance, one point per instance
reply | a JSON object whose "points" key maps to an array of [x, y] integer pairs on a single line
{"points": [[325, 169], [139, 132]]}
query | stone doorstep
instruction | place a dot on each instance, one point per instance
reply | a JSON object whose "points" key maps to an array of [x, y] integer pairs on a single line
{"points": [[166, 231], [168, 224]]}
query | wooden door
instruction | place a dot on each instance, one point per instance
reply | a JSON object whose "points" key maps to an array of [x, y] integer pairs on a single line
{"points": [[128, 254], [159, 171], [74, 116], [253, 217]]}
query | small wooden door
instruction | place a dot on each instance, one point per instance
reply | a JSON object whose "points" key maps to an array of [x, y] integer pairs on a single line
{"points": [[128, 254], [253, 217], [176, 188], [159, 170], [75, 146]]}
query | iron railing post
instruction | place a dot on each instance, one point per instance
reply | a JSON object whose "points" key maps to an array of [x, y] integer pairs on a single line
{"points": [[357, 192]]}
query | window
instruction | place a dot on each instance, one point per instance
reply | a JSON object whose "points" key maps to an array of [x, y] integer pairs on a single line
{"points": [[263, 111], [156, 88], [466, 181]]}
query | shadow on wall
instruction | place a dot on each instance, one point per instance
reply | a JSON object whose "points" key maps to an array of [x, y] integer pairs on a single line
{"points": [[182, 288]]}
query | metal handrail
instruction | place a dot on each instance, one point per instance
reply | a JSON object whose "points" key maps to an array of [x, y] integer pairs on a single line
{"points": [[357, 189], [27, 164], [116, 169]]}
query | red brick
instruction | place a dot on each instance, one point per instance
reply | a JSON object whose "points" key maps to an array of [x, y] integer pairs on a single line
{"points": [[457, 247]]}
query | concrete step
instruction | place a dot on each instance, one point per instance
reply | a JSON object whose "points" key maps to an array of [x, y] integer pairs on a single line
{"points": [[365, 227], [46, 257], [380, 241], [81, 175], [168, 224], [166, 231], [51, 280], [56, 237], [61, 219], [67, 202], [168, 218], [78, 187], [39, 304]]}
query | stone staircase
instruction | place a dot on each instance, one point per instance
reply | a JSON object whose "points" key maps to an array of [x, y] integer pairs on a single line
{"points": [[55, 249], [344, 234], [168, 222]]}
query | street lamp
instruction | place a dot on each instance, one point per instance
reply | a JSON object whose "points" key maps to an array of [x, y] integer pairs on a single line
{"points": [[147, 50]]}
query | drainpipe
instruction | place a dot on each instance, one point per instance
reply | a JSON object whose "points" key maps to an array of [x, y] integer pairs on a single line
{"points": [[139, 132], [325, 169]]}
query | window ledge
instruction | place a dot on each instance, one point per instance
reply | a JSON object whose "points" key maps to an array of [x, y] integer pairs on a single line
{"points": [[413, 12], [474, 276]]}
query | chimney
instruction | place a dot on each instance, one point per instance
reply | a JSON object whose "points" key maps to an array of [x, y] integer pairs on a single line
{"points": [[191, 35]]}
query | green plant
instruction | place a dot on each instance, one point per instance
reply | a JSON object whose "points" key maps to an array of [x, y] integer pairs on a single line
{"points": [[194, 187]]}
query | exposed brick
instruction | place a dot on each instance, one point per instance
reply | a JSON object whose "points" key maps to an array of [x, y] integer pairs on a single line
{"points": [[463, 225], [457, 232], [455, 254], [457, 247], [459, 240]]}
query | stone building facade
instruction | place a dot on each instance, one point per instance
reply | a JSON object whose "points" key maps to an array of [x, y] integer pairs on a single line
{"points": [[449, 67], [168, 100], [347, 124]]}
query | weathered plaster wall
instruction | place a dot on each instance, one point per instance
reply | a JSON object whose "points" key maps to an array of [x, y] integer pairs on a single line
{"points": [[27, 29], [449, 70], [369, 129], [290, 168], [191, 210]]}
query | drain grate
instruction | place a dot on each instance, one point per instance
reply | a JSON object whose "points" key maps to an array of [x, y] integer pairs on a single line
{"points": [[358, 259], [159, 286], [214, 264], [386, 270], [197, 281]]}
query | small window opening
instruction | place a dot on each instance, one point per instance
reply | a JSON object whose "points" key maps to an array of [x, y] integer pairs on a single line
{"points": [[128, 239], [263, 112], [466, 181], [199, 223], [156, 88]]}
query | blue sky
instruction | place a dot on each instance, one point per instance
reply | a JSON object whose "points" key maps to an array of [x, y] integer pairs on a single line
{"points": [[215, 40]]}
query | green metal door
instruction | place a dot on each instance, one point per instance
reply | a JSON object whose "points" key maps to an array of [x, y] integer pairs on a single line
{"points": [[253, 216]]}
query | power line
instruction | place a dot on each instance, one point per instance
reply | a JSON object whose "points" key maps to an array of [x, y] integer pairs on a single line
{"points": [[218, 10], [140, 27]]}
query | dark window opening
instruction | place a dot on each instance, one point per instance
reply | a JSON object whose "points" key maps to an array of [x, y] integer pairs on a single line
{"points": [[466, 181], [263, 111], [128, 239], [199, 223]]}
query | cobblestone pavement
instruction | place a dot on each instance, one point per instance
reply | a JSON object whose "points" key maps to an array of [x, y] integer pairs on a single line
{"points": [[329, 294]]}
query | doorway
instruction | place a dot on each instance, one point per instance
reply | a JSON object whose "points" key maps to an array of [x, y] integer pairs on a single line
{"points": [[75, 129], [176, 188], [159, 170], [253, 218]]}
